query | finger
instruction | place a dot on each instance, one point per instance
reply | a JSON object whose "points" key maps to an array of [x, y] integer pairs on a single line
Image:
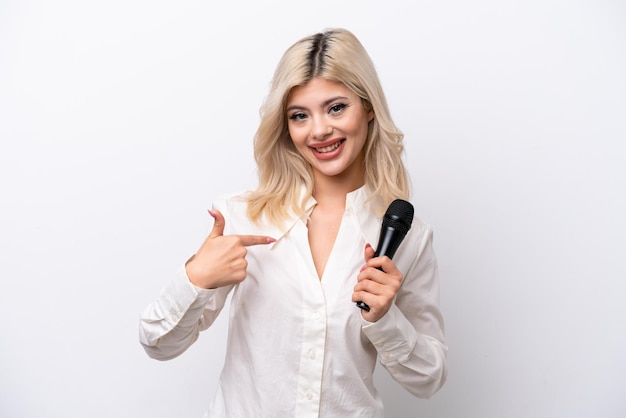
{"points": [[382, 263], [368, 273], [365, 297], [368, 253], [248, 240], [381, 270], [388, 266], [218, 225], [369, 286]]}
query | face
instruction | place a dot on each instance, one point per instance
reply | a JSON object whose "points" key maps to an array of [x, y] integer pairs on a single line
{"points": [[328, 125]]}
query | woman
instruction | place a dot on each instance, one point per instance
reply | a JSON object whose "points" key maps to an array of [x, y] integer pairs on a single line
{"points": [[296, 254]]}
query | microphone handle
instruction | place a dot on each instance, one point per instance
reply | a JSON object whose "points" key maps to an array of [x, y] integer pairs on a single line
{"points": [[363, 305], [389, 242]]}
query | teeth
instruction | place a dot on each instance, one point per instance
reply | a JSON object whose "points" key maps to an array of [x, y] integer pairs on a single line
{"points": [[329, 148]]}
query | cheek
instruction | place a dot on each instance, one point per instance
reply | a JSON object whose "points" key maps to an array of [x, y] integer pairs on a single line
{"points": [[359, 127], [296, 136], [292, 134]]}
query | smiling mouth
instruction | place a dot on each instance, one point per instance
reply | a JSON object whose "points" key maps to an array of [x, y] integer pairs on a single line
{"points": [[329, 148]]}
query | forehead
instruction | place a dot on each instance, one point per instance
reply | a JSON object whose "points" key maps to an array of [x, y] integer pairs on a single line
{"points": [[318, 89]]}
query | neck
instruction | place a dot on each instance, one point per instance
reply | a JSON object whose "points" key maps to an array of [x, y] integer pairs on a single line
{"points": [[333, 190]]}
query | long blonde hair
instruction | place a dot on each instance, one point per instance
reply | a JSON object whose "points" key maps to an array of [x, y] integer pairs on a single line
{"points": [[335, 55]]}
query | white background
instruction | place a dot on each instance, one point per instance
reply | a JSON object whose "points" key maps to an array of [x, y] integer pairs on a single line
{"points": [[120, 121]]}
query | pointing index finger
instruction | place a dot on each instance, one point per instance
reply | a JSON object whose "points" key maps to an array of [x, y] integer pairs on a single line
{"points": [[248, 240]]}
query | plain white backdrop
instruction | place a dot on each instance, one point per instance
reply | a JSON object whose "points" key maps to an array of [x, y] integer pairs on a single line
{"points": [[120, 121]]}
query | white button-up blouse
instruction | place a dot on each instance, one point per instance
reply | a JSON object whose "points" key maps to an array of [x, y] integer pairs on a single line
{"points": [[297, 345]]}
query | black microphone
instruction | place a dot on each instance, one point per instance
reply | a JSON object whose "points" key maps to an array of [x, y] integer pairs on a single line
{"points": [[396, 223]]}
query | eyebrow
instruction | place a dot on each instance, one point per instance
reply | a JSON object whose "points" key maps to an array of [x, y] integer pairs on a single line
{"points": [[326, 103]]}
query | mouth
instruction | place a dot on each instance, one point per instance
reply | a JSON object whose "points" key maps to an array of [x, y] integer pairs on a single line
{"points": [[329, 148]]}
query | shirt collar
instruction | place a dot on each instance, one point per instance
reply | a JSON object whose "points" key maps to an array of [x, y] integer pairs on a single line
{"points": [[359, 201], [363, 205]]}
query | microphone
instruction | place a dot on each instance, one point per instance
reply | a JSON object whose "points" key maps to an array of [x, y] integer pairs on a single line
{"points": [[396, 223]]}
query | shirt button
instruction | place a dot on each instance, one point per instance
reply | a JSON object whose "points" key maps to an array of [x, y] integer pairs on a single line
{"points": [[312, 356], [309, 395], [317, 316]]}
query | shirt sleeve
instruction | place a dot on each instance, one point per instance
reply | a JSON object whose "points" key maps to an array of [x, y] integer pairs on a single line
{"points": [[409, 338], [170, 324]]}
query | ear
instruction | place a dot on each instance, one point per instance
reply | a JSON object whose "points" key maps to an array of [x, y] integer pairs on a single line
{"points": [[369, 108]]}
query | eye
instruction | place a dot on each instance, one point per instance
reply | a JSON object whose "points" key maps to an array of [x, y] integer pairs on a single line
{"points": [[297, 116], [337, 108]]}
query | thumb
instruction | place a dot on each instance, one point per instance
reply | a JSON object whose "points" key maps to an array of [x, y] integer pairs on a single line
{"points": [[218, 225], [368, 253]]}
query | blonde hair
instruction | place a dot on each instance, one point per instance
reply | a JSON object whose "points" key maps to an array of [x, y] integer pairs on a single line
{"points": [[335, 55]]}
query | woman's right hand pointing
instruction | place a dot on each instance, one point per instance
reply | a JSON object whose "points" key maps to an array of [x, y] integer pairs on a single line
{"points": [[221, 260]]}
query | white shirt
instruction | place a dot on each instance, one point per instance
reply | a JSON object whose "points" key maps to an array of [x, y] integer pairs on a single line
{"points": [[297, 345]]}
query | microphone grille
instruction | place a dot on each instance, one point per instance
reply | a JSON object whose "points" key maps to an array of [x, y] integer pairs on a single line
{"points": [[399, 215]]}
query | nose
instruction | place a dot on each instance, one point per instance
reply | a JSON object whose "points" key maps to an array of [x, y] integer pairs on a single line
{"points": [[321, 128]]}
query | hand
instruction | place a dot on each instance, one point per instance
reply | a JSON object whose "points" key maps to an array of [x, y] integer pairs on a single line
{"points": [[221, 260], [377, 285]]}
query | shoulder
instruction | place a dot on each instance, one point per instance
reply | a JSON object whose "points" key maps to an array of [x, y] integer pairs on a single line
{"points": [[417, 245], [421, 233], [232, 201], [234, 208], [420, 227]]}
